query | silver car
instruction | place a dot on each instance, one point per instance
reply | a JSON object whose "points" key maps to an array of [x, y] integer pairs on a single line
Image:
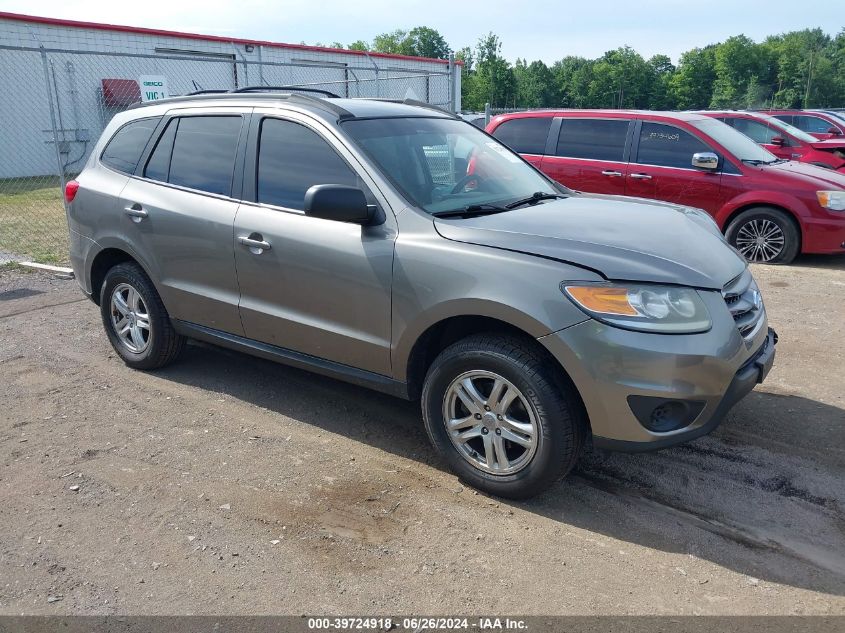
{"points": [[399, 248]]}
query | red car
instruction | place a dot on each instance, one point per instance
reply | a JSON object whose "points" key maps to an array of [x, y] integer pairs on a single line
{"points": [[784, 140], [770, 209], [820, 123]]}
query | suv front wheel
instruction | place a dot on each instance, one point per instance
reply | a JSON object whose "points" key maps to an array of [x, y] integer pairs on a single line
{"points": [[135, 319], [500, 415], [764, 236]]}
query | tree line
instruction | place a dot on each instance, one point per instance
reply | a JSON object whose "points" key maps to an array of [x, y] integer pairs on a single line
{"points": [[799, 69]]}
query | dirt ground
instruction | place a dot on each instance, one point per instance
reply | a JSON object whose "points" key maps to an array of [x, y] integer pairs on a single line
{"points": [[227, 484]]}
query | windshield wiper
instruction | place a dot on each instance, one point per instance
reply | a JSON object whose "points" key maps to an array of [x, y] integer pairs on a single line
{"points": [[534, 198], [755, 161], [471, 210]]}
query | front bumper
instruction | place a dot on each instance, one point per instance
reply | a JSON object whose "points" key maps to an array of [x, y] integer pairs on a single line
{"points": [[715, 370]]}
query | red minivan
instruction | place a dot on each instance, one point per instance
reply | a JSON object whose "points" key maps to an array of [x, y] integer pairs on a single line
{"points": [[784, 140], [770, 209], [820, 123]]}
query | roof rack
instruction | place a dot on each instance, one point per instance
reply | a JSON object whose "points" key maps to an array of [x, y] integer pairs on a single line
{"points": [[413, 102], [303, 99], [207, 92], [325, 93]]}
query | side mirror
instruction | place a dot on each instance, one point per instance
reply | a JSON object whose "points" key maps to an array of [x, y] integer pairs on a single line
{"points": [[778, 141], [705, 160], [339, 203], [835, 131]]}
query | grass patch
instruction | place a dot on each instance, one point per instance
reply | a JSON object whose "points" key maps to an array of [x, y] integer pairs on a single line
{"points": [[32, 219]]}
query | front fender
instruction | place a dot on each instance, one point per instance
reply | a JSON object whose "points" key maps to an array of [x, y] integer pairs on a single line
{"points": [[437, 279], [796, 207]]}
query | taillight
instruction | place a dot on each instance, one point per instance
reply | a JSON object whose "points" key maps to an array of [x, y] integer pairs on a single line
{"points": [[70, 190]]}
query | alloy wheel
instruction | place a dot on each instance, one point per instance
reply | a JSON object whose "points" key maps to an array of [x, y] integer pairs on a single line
{"points": [[130, 318], [760, 240], [490, 422]]}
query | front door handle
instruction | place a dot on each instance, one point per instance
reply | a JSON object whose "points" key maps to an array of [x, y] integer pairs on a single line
{"points": [[255, 243], [136, 212], [640, 176], [611, 172]]}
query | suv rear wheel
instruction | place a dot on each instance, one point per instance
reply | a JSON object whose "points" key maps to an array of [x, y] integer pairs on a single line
{"points": [[495, 409], [135, 319], [764, 235]]}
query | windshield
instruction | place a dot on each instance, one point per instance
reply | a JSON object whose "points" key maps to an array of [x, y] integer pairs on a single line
{"points": [[742, 147], [801, 135], [446, 165]]}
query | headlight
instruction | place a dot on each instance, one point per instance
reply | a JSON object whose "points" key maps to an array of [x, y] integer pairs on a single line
{"points": [[644, 307], [833, 200]]}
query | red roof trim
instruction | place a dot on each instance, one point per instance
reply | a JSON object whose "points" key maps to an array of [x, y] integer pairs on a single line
{"points": [[208, 38]]}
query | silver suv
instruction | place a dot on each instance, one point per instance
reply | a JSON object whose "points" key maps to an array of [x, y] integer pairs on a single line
{"points": [[399, 248]]}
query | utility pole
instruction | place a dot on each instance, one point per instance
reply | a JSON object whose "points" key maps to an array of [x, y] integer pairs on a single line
{"points": [[809, 80]]}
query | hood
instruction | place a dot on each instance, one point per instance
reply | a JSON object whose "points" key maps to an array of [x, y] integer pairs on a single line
{"points": [[625, 239], [830, 145], [812, 175]]}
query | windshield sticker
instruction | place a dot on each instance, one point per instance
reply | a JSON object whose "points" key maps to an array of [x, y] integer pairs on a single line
{"points": [[503, 152]]}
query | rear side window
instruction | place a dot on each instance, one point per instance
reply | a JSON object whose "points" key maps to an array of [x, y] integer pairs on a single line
{"points": [[125, 148], [291, 159], [667, 146], [597, 139], [158, 165], [203, 155], [525, 136]]}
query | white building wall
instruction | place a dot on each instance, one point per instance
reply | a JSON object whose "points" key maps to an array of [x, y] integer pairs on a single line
{"points": [[76, 79]]}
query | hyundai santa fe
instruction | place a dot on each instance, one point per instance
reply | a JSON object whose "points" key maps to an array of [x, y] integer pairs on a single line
{"points": [[399, 248], [769, 208]]}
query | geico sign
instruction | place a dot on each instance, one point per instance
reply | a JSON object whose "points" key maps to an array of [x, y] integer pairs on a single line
{"points": [[153, 83]]}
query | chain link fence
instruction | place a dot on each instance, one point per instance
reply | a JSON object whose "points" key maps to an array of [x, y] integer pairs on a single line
{"points": [[56, 102]]}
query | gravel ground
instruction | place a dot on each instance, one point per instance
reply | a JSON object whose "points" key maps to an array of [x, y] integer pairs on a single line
{"points": [[227, 484]]}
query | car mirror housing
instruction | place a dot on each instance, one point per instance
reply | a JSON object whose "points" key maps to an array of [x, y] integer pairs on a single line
{"points": [[705, 160], [339, 203], [778, 141]]}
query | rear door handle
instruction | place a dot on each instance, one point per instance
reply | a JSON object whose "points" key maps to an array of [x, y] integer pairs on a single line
{"points": [[136, 212], [255, 243], [610, 172], [640, 176]]}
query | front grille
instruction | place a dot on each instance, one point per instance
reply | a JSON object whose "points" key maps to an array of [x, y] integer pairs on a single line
{"points": [[744, 303]]}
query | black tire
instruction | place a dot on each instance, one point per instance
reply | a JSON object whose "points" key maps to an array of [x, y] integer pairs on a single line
{"points": [[757, 216], [162, 344], [556, 406]]}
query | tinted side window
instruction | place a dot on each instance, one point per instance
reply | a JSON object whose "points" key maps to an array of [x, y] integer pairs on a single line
{"points": [[204, 153], [525, 136], [592, 138], [158, 166], [756, 131], [786, 118], [125, 148], [812, 124], [293, 158], [667, 146]]}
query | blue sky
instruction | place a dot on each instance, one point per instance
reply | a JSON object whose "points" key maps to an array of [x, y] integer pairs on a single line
{"points": [[533, 29]]}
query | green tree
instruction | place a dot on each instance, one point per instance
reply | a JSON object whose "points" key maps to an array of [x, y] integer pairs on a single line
{"points": [[572, 77], [691, 85], [494, 79], [359, 45], [393, 42], [423, 41], [534, 84], [620, 80], [740, 64], [659, 92]]}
